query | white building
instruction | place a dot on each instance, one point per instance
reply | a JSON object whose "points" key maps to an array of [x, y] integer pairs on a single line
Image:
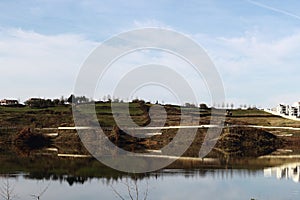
{"points": [[291, 111], [297, 105], [282, 109], [7, 102]]}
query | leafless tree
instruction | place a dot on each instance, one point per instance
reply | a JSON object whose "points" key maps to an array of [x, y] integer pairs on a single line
{"points": [[7, 191], [133, 190], [38, 197], [223, 105]]}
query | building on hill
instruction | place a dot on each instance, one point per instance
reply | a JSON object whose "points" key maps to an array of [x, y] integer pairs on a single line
{"points": [[287, 110], [297, 105], [293, 111], [8, 102], [282, 109]]}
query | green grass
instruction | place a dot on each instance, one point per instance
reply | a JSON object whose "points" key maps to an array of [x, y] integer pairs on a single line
{"points": [[25, 116], [55, 116], [4, 109], [253, 112], [259, 117]]}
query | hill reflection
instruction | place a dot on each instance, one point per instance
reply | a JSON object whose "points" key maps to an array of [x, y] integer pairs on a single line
{"points": [[45, 165]]}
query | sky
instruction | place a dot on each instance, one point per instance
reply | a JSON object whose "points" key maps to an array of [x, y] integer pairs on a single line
{"points": [[255, 45]]}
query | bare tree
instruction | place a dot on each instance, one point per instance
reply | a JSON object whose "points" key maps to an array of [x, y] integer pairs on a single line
{"points": [[108, 98], [7, 191], [214, 104], [223, 105], [38, 197], [133, 190]]}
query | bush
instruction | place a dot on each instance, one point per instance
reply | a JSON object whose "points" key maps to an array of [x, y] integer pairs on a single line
{"points": [[32, 140]]}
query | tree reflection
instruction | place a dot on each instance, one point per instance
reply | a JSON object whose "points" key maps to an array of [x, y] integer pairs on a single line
{"points": [[7, 191], [133, 190], [38, 196]]}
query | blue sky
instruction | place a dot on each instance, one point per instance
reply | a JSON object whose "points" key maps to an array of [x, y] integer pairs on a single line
{"points": [[255, 45]]}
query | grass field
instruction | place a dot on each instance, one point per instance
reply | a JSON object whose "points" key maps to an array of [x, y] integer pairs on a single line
{"points": [[62, 115], [262, 118]]}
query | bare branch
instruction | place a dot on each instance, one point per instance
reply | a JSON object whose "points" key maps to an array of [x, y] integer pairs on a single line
{"points": [[7, 191], [117, 193], [132, 189], [41, 193], [46, 188], [146, 192], [129, 190], [136, 189]]}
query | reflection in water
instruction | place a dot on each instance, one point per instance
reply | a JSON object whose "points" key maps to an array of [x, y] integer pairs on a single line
{"points": [[76, 178], [134, 190], [40, 194], [287, 171], [7, 191], [171, 184]]}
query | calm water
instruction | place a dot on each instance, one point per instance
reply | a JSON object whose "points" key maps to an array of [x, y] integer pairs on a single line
{"points": [[29, 174], [269, 183]]}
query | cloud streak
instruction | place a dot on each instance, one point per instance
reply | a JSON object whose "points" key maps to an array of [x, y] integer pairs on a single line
{"points": [[274, 9]]}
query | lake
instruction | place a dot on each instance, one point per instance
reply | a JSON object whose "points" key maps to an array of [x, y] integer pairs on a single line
{"points": [[50, 177]]}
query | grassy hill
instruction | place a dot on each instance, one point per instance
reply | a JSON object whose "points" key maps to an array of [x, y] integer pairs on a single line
{"points": [[62, 116]]}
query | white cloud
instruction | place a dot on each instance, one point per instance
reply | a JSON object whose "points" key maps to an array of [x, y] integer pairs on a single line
{"points": [[126, 65], [150, 23], [33, 64], [253, 52], [255, 68]]}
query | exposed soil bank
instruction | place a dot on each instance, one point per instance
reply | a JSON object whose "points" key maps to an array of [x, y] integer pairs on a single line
{"points": [[239, 142], [248, 142], [234, 142], [31, 140]]}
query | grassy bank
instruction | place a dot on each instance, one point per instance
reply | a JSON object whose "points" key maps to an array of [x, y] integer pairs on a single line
{"points": [[13, 120], [62, 116]]}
